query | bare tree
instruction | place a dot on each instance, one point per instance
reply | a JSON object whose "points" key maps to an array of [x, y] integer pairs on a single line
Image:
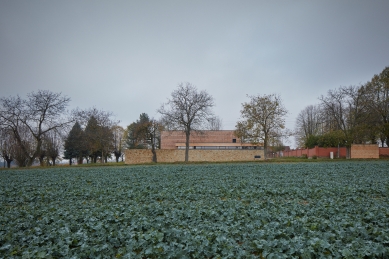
{"points": [[214, 123], [262, 120], [41, 112], [7, 146], [347, 108], [22, 153], [52, 143], [187, 110], [308, 123], [104, 118]]}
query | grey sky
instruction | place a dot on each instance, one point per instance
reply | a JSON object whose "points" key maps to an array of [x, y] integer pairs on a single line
{"points": [[128, 56]]}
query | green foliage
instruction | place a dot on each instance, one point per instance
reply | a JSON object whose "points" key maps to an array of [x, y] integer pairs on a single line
{"points": [[74, 143], [138, 133], [143, 134], [262, 119], [290, 210], [330, 139], [98, 139], [312, 141]]}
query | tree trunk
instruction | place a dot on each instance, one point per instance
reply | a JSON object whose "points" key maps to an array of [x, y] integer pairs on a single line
{"points": [[265, 147], [41, 161], [348, 152], [187, 134], [8, 163], [8, 160], [53, 159], [70, 161], [22, 147], [154, 153], [37, 153]]}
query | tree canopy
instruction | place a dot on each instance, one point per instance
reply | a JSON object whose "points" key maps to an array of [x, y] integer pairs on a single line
{"points": [[29, 120], [75, 144], [188, 110], [262, 119], [348, 115]]}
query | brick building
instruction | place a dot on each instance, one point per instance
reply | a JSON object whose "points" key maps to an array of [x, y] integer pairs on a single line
{"points": [[208, 139], [211, 145]]}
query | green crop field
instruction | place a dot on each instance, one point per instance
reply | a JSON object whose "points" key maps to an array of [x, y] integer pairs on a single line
{"points": [[253, 210]]}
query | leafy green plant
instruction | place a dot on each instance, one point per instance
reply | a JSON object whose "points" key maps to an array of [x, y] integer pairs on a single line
{"points": [[253, 210]]}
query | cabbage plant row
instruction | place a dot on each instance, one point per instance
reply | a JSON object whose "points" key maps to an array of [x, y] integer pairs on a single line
{"points": [[253, 210]]}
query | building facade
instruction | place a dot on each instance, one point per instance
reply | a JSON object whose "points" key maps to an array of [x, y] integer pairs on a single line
{"points": [[207, 139], [205, 146]]}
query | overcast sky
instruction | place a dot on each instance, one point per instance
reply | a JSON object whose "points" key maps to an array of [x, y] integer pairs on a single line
{"points": [[128, 56]]}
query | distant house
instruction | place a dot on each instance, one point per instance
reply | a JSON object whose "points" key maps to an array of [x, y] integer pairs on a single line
{"points": [[208, 145], [207, 140]]}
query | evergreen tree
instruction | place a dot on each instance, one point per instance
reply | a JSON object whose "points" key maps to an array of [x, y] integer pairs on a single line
{"points": [[74, 144]]}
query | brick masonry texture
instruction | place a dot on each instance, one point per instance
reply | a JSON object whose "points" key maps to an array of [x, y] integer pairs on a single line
{"points": [[170, 138], [384, 151], [142, 156], [365, 151], [357, 151]]}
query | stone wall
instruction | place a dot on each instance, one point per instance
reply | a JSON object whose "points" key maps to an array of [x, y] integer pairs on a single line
{"points": [[365, 151], [141, 156]]}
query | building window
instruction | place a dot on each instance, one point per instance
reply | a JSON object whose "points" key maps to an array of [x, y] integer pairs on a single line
{"points": [[234, 140]]}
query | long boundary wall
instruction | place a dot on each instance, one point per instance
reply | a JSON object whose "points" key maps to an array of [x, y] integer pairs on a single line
{"points": [[141, 156], [357, 151], [316, 151]]}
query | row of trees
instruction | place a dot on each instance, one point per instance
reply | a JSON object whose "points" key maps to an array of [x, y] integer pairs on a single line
{"points": [[35, 128], [262, 118], [30, 128], [347, 115], [187, 110], [94, 136], [38, 128]]}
